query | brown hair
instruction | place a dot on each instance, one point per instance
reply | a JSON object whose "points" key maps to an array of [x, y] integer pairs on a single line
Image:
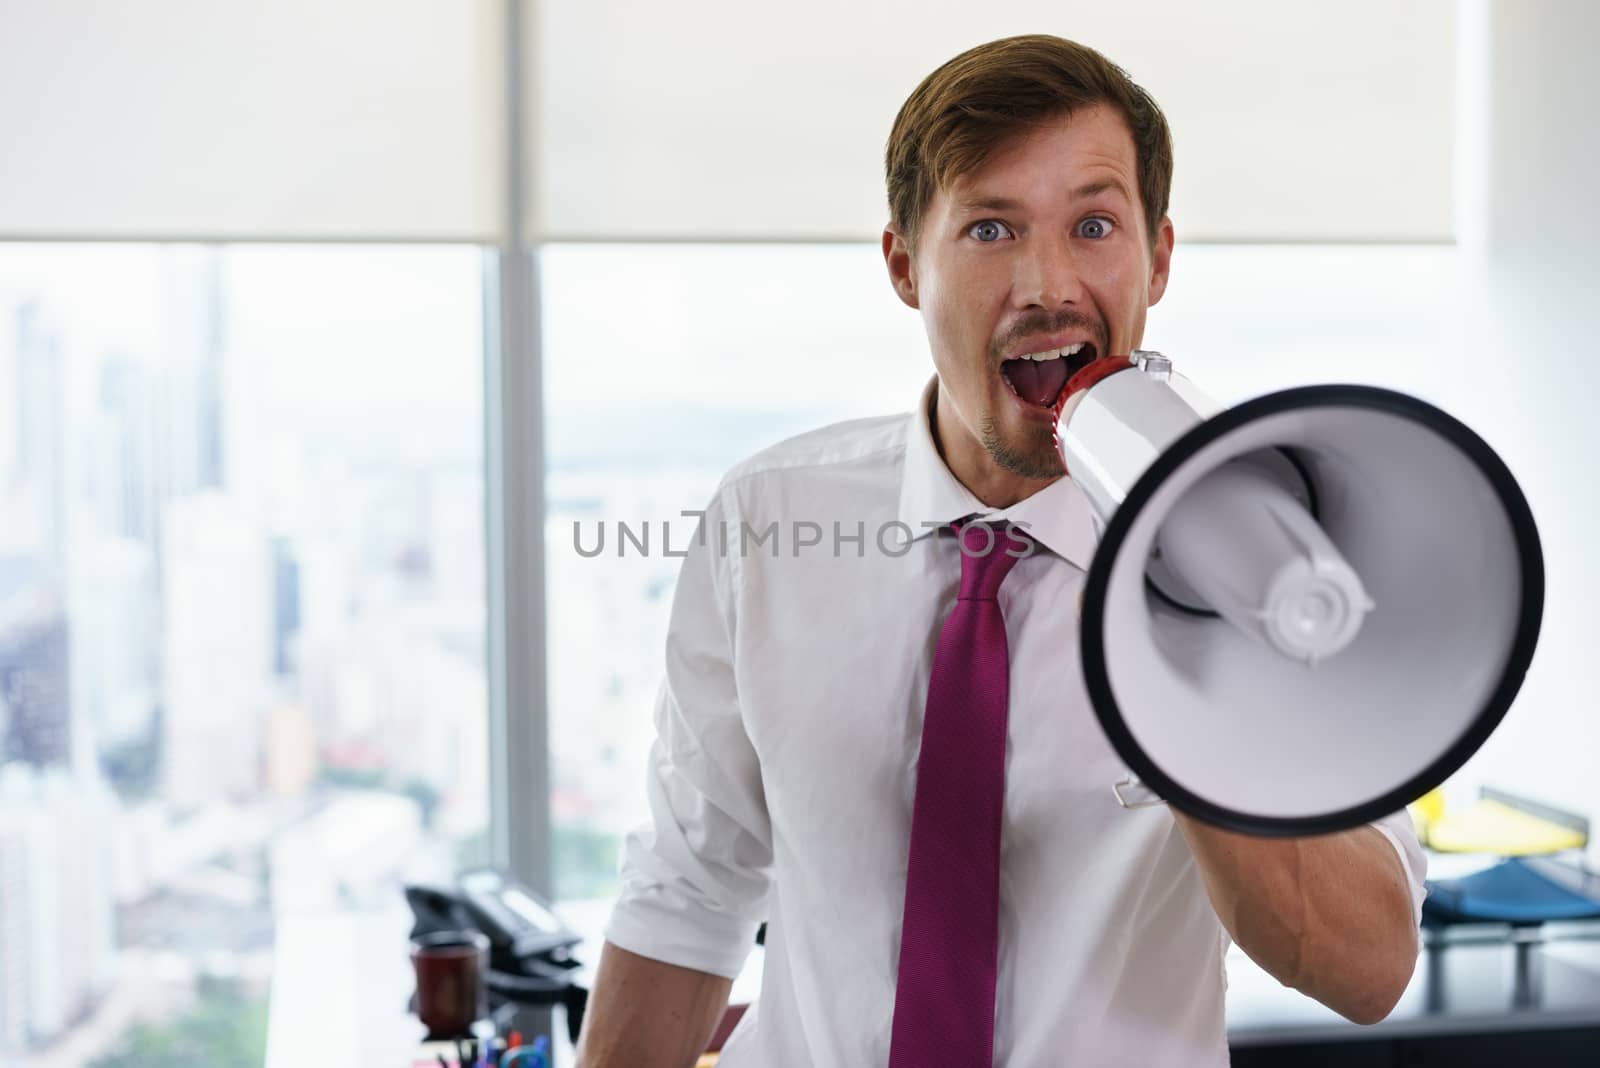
{"points": [[970, 106]]}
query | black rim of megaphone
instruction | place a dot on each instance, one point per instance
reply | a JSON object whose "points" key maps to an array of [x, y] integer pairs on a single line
{"points": [[1093, 643]]}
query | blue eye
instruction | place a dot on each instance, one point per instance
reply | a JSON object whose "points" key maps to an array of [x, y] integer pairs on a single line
{"points": [[1095, 228], [988, 231]]}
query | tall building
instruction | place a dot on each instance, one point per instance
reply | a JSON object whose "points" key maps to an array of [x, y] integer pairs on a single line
{"points": [[291, 750], [190, 405], [35, 679], [13, 929], [57, 953], [39, 419], [10, 436], [124, 454], [217, 624], [285, 605], [116, 642], [80, 812], [112, 587]]}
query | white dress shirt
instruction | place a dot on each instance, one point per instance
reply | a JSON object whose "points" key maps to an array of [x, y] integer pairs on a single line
{"points": [[782, 777]]}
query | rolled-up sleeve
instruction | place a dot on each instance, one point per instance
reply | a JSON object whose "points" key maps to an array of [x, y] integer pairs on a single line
{"points": [[1402, 834], [694, 881]]}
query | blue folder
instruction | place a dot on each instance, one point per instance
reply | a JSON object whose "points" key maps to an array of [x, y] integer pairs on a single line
{"points": [[1512, 891]]}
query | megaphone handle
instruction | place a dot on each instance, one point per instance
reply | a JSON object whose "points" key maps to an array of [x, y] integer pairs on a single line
{"points": [[1150, 798]]}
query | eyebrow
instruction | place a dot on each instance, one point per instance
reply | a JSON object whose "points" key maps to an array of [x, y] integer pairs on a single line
{"points": [[1104, 185], [988, 204], [1083, 192]]}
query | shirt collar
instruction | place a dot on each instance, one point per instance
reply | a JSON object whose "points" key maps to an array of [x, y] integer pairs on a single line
{"points": [[1058, 516]]}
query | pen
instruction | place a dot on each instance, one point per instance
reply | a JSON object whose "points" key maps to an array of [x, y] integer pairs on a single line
{"points": [[534, 1056]]}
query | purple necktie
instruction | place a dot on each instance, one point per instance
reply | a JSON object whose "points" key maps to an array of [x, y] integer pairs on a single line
{"points": [[944, 997]]}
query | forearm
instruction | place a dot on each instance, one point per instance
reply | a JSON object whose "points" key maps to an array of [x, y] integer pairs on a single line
{"points": [[647, 1014], [1330, 916]]}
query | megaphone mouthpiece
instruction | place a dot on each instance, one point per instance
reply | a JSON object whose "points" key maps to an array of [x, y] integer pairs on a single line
{"points": [[1257, 558]]}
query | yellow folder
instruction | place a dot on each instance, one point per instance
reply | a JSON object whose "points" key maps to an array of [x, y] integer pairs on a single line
{"points": [[1494, 827]]}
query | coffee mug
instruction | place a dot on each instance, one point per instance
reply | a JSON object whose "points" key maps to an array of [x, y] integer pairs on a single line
{"points": [[451, 994]]}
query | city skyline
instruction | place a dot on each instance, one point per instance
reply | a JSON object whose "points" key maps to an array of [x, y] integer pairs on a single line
{"points": [[222, 664]]}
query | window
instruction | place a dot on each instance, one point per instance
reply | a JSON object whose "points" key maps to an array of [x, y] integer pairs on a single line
{"points": [[242, 622], [666, 364]]}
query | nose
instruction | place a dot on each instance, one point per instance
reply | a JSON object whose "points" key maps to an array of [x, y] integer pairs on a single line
{"points": [[1047, 275]]}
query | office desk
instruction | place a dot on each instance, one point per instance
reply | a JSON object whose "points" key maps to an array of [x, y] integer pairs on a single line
{"points": [[342, 981], [1487, 996]]}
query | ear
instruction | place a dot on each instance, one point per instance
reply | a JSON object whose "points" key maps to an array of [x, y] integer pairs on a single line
{"points": [[902, 269], [1161, 260]]}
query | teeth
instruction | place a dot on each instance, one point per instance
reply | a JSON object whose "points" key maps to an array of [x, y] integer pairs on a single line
{"points": [[1051, 354]]}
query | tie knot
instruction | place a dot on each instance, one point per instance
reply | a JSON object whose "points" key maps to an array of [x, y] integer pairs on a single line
{"points": [[988, 554]]}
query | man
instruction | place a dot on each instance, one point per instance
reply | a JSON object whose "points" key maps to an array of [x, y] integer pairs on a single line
{"points": [[804, 772]]}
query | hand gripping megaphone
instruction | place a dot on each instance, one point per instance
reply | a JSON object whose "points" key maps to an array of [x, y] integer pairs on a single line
{"points": [[1305, 611]]}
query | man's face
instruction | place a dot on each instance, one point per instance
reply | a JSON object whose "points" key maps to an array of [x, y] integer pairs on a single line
{"points": [[1042, 249]]}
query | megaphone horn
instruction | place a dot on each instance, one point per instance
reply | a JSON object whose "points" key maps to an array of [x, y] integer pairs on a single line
{"points": [[1305, 611]]}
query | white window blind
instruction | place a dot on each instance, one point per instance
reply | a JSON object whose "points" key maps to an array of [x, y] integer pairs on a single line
{"points": [[710, 121], [228, 119], [724, 120]]}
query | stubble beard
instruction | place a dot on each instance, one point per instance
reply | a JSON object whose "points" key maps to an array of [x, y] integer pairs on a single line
{"points": [[1039, 461]]}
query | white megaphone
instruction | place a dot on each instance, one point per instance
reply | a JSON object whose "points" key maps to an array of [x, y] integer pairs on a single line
{"points": [[1305, 611]]}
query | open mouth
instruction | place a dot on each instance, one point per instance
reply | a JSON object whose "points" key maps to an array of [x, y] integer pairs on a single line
{"points": [[1038, 377]]}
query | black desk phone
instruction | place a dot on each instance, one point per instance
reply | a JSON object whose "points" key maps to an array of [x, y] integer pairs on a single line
{"points": [[530, 958]]}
